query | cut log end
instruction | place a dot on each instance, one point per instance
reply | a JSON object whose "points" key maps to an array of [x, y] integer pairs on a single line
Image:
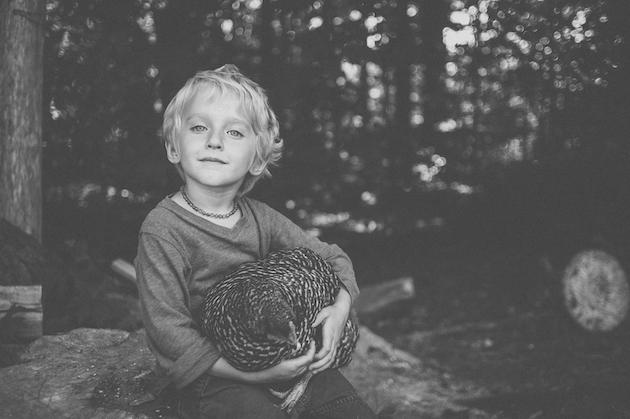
{"points": [[596, 290], [21, 315]]}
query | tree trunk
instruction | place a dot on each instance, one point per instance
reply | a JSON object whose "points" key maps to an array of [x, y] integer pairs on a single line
{"points": [[434, 17], [271, 58], [403, 57], [21, 82], [177, 33]]}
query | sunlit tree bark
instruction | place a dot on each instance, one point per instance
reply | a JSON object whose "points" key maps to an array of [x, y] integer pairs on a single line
{"points": [[269, 50], [403, 55], [21, 80], [434, 19]]}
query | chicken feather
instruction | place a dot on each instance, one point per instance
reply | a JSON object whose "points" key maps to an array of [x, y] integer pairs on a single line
{"points": [[262, 313]]}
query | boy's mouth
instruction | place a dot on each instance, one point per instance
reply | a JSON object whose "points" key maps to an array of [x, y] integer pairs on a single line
{"points": [[212, 160]]}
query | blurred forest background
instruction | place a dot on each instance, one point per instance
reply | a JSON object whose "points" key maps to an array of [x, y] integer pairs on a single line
{"points": [[473, 145], [505, 117]]}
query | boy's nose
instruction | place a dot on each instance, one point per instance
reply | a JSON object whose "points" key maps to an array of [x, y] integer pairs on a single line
{"points": [[215, 141]]}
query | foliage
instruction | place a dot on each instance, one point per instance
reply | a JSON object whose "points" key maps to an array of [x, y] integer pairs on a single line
{"points": [[101, 87], [377, 100]]}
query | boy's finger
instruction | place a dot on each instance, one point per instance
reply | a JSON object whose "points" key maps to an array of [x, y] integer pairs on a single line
{"points": [[306, 358], [316, 366], [322, 363], [309, 355], [319, 318], [326, 344], [323, 353], [330, 361]]}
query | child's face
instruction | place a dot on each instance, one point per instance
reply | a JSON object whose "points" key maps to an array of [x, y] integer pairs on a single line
{"points": [[216, 143]]}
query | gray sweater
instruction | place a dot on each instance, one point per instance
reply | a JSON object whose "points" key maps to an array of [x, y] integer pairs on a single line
{"points": [[180, 255]]}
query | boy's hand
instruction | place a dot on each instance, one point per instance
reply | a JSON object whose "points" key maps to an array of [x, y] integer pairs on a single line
{"points": [[333, 320], [287, 369]]}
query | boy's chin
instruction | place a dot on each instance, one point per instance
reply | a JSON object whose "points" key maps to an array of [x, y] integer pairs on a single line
{"points": [[220, 185]]}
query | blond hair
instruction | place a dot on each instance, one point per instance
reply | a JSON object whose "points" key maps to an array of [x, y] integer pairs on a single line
{"points": [[254, 104]]}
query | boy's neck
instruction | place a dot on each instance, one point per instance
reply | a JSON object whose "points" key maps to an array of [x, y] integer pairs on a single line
{"points": [[210, 202], [216, 201]]}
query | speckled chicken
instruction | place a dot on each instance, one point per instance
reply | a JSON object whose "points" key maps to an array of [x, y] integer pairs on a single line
{"points": [[262, 313]]}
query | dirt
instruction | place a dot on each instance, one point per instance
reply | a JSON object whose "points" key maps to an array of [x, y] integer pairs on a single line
{"points": [[489, 329], [489, 316]]}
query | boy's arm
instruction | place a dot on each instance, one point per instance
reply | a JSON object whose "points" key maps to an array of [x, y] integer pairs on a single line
{"points": [[286, 234], [174, 340], [333, 318], [173, 336], [285, 370]]}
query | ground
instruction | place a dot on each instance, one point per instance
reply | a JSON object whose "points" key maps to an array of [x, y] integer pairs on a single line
{"points": [[489, 315], [487, 326]]}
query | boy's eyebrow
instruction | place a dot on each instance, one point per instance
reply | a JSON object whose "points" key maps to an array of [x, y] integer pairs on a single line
{"points": [[230, 120]]}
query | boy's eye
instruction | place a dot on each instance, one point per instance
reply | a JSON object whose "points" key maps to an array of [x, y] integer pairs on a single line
{"points": [[198, 128], [234, 133]]}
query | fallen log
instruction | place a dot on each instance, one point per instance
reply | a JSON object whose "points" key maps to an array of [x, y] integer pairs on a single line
{"points": [[376, 297], [372, 298], [21, 314], [370, 341], [125, 269], [421, 336]]}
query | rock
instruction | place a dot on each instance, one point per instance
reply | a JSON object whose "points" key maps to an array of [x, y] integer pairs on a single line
{"points": [[104, 373], [398, 385], [86, 373]]}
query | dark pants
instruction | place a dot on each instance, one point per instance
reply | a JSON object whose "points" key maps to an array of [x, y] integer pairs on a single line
{"points": [[328, 395]]}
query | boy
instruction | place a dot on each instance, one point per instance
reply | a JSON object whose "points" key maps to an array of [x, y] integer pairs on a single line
{"points": [[222, 135]]}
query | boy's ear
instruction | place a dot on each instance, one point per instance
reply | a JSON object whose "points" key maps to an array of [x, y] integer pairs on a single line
{"points": [[257, 169], [171, 153]]}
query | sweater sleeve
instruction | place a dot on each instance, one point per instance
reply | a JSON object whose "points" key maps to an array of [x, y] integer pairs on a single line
{"points": [[286, 234], [173, 335]]}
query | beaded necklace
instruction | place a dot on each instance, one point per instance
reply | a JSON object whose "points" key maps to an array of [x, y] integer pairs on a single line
{"points": [[208, 214]]}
